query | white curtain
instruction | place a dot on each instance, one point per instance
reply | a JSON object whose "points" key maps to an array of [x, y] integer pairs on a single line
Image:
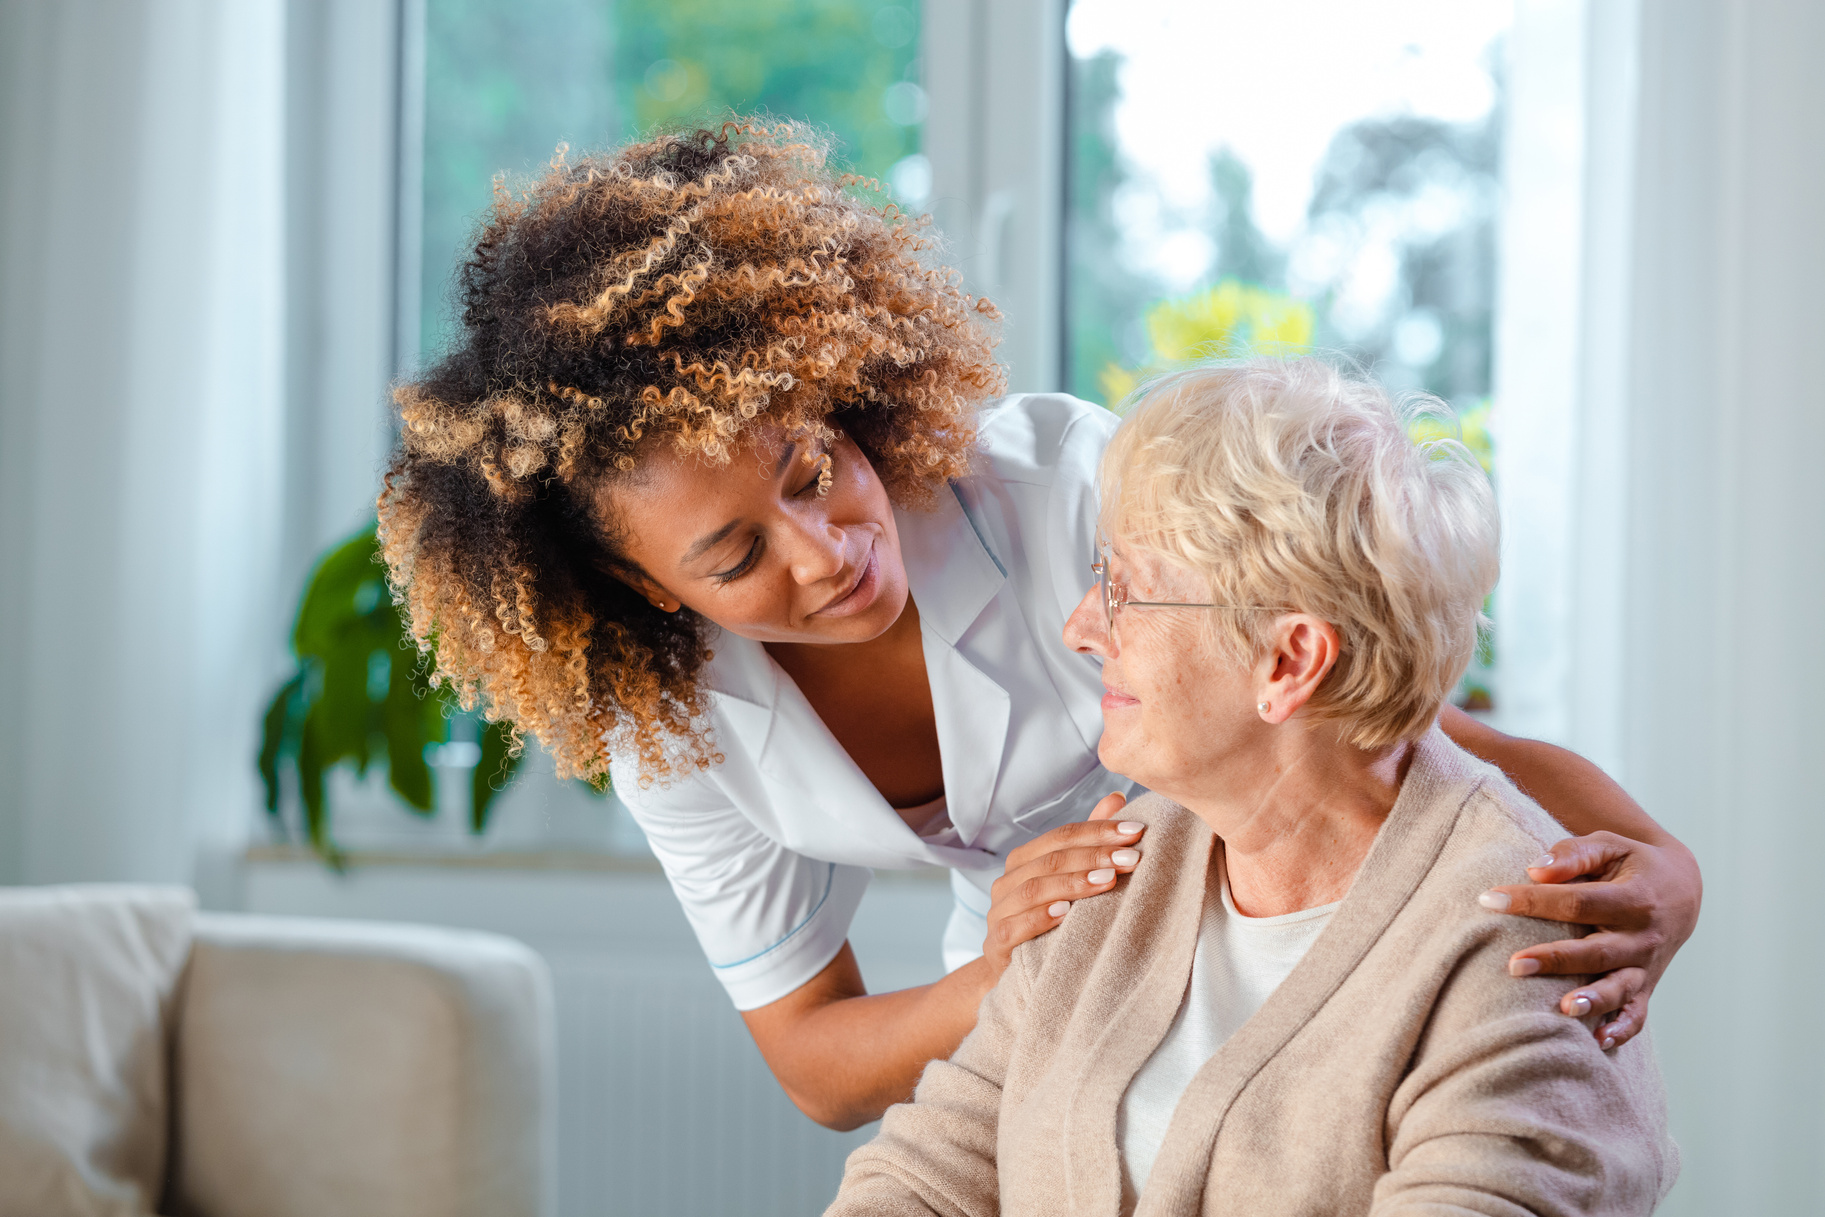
{"points": [[1665, 557], [141, 327], [1717, 652]]}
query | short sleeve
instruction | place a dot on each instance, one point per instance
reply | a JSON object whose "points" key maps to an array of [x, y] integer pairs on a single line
{"points": [[768, 919]]}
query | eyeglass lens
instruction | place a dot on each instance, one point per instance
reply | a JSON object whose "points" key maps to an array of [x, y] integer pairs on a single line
{"points": [[1108, 591]]}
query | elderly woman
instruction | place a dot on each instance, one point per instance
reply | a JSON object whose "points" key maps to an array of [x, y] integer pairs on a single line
{"points": [[1298, 1006]]}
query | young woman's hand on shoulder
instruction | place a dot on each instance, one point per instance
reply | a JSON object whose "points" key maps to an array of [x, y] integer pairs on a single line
{"points": [[1044, 876]]}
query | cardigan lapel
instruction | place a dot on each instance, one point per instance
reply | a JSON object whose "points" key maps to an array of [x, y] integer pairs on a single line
{"points": [[1161, 912], [1403, 853]]}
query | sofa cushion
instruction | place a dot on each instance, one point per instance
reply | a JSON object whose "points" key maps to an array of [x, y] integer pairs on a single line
{"points": [[361, 1069], [87, 977]]}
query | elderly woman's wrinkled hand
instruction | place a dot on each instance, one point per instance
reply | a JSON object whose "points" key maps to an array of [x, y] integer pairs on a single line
{"points": [[1610, 883]]}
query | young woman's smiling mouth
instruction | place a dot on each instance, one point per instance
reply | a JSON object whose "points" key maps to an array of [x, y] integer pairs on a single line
{"points": [[860, 594]]}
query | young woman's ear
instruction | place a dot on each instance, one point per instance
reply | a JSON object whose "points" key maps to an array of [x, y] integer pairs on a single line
{"points": [[1303, 651], [657, 596], [642, 585]]}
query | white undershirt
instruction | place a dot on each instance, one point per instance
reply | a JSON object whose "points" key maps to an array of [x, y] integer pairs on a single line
{"points": [[1239, 961]]}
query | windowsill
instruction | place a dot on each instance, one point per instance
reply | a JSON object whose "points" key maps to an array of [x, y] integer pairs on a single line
{"points": [[502, 859], [571, 860]]}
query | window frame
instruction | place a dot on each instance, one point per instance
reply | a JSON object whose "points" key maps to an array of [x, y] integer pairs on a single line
{"points": [[995, 134]]}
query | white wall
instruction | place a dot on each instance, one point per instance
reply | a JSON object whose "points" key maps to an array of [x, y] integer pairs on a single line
{"points": [[140, 428]]}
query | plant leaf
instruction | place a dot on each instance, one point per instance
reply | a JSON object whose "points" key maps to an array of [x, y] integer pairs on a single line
{"points": [[411, 718], [346, 718], [492, 773], [279, 723], [360, 689], [329, 599], [310, 787]]}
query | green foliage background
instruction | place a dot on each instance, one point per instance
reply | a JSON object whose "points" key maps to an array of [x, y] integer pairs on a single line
{"points": [[1372, 169]]}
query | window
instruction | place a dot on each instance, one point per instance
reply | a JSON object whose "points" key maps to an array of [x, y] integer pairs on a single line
{"points": [[1245, 176]]}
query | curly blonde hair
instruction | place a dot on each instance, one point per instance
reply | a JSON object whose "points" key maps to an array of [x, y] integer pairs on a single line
{"points": [[685, 289]]}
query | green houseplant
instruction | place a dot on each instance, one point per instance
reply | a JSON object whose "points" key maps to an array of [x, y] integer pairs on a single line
{"points": [[360, 697]]}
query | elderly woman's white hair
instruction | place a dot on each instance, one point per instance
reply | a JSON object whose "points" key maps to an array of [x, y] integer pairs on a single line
{"points": [[1288, 483]]}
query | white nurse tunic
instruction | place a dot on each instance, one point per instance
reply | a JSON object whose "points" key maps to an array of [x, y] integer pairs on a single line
{"points": [[770, 850]]}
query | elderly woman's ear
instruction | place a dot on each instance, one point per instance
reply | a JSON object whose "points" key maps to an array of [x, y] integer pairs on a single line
{"points": [[1301, 654]]}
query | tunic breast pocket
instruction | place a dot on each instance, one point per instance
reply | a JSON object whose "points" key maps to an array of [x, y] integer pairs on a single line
{"points": [[1076, 803]]}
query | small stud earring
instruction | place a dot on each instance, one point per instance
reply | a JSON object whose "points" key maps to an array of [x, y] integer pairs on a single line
{"points": [[1261, 706]]}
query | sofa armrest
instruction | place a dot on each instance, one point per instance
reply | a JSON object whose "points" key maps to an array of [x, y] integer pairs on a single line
{"points": [[361, 1068]]}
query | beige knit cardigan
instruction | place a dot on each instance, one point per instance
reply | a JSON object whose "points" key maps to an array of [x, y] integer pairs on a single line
{"points": [[1398, 1070]]}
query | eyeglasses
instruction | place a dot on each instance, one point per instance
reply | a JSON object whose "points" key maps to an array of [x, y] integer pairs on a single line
{"points": [[1115, 596]]}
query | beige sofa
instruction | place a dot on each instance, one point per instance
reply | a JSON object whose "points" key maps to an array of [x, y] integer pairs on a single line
{"points": [[157, 1059]]}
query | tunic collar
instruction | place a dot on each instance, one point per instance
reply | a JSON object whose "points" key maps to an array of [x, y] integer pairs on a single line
{"points": [[953, 577]]}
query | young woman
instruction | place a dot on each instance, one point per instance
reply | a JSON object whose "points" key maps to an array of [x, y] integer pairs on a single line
{"points": [[713, 493]]}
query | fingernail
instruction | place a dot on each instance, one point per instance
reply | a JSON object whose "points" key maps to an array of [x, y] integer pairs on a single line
{"points": [[1129, 827], [1545, 861], [1125, 857], [1058, 908], [1523, 967], [1609, 1041], [1497, 902], [1581, 1006], [1101, 876]]}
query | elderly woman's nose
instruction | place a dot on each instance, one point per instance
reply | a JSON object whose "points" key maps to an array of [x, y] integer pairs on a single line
{"points": [[1085, 630], [815, 550]]}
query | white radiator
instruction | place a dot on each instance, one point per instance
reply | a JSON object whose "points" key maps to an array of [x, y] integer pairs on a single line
{"points": [[665, 1106]]}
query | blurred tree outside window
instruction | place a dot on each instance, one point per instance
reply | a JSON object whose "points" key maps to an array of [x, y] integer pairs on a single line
{"points": [[1318, 174], [507, 81]]}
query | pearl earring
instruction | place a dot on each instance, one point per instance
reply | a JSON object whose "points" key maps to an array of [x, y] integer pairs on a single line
{"points": [[1261, 706]]}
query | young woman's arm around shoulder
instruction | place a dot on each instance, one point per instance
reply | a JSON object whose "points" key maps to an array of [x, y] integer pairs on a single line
{"points": [[1643, 888]]}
